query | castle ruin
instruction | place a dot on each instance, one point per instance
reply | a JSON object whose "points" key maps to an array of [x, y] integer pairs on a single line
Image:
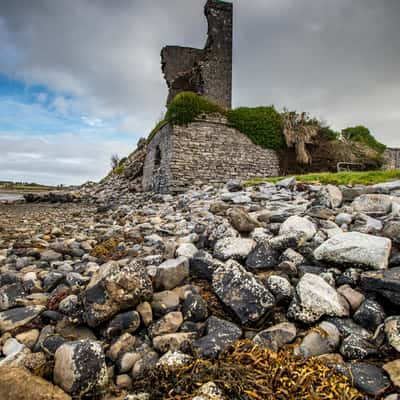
{"points": [[207, 150], [207, 72]]}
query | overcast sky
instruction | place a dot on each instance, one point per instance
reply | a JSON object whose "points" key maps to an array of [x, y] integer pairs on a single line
{"points": [[81, 79]]}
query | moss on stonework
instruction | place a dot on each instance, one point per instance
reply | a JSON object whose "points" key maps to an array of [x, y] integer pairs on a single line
{"points": [[263, 125]]}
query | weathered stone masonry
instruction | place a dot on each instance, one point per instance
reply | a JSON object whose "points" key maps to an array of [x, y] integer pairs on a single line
{"points": [[206, 151], [207, 72], [392, 157]]}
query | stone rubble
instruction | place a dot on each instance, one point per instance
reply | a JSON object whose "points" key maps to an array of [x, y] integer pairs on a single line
{"points": [[107, 288]]}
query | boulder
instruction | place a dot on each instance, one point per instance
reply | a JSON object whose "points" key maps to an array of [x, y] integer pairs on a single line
{"points": [[331, 196], [300, 225], [356, 249], [80, 368], [242, 292], [114, 288], [369, 315], [355, 347], [315, 298], [373, 204], [20, 384]]}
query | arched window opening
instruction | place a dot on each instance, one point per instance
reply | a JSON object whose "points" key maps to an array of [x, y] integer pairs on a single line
{"points": [[158, 156]]}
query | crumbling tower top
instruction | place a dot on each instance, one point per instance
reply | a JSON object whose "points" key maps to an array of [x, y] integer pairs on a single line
{"points": [[207, 72]]}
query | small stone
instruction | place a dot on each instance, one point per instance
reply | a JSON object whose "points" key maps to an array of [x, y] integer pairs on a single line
{"points": [[392, 330], [164, 302], [275, 337], [393, 370], [280, 287], [125, 322], [287, 183], [123, 381], [241, 220], [80, 368], [353, 297], [180, 341], [321, 340], [50, 256], [171, 273], [170, 323], [203, 265], [242, 292], [28, 338], [146, 312], [174, 359], [209, 391], [187, 250]]}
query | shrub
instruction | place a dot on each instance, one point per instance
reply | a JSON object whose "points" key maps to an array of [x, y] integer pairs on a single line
{"points": [[329, 134], [188, 106], [263, 125], [362, 135]]}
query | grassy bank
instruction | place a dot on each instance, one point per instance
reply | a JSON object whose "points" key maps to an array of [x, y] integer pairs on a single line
{"points": [[339, 178], [16, 187]]}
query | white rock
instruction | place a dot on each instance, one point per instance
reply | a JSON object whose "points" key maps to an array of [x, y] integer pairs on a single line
{"points": [[186, 250], [231, 247], [298, 224], [316, 298], [357, 249]]}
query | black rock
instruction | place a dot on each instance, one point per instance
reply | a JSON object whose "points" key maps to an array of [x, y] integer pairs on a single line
{"points": [[349, 277], [347, 326], [386, 283], [126, 322], [195, 308], [52, 343], [369, 315], [51, 280], [368, 378], [219, 335], [10, 294], [262, 257], [203, 265], [356, 347]]}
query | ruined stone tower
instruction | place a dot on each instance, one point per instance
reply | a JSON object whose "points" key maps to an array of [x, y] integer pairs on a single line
{"points": [[207, 72]]}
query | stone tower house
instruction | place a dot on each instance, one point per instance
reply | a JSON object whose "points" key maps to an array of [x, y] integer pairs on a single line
{"points": [[208, 150], [207, 72]]}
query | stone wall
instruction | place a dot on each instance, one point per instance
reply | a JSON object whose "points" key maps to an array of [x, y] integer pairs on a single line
{"points": [[206, 151], [392, 159], [207, 72]]}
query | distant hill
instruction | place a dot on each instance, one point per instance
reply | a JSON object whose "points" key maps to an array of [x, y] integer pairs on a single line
{"points": [[31, 186]]}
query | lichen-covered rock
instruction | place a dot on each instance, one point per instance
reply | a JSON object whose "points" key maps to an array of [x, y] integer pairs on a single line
{"points": [[315, 298], [17, 317], [219, 335], [262, 257], [356, 249], [125, 322], [242, 292], [114, 288], [355, 347], [370, 314], [80, 368], [235, 248]]}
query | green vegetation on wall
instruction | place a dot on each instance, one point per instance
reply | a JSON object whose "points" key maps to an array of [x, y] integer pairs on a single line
{"points": [[263, 125], [362, 135]]}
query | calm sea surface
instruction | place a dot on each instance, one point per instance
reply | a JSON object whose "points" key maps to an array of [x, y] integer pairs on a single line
{"points": [[10, 196]]}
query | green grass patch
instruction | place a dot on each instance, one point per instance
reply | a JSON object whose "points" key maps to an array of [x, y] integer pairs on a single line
{"points": [[263, 125], [362, 135], [339, 178]]}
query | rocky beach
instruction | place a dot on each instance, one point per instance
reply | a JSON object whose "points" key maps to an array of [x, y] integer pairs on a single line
{"points": [[110, 294]]}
